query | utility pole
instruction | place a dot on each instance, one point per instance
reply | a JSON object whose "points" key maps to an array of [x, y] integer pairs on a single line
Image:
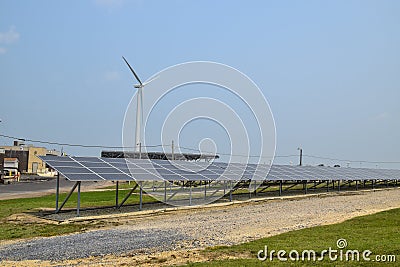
{"points": [[301, 156]]}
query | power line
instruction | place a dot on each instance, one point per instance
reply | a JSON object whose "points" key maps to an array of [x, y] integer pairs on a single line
{"points": [[67, 144], [196, 150], [353, 161], [310, 156]]}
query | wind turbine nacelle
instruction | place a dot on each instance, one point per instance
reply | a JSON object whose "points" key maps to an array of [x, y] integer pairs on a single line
{"points": [[137, 86]]}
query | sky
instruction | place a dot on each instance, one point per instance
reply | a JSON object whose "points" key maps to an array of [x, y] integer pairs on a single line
{"points": [[328, 69]]}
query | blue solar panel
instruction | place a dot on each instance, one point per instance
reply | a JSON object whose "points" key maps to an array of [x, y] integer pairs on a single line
{"points": [[121, 169]]}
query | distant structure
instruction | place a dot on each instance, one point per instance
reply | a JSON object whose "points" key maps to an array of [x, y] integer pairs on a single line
{"points": [[159, 155], [2, 156], [28, 162]]}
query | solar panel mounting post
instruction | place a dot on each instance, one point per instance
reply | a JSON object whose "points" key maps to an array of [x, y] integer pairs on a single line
{"points": [[224, 188], [205, 190], [230, 191], [140, 195], [116, 195], [78, 205], [165, 191], [190, 193], [57, 190], [305, 187]]}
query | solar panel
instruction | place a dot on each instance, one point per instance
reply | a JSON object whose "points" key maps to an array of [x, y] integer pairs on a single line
{"points": [[125, 169]]}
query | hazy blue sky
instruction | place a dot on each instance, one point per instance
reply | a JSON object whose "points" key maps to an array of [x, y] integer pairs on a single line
{"points": [[329, 69]]}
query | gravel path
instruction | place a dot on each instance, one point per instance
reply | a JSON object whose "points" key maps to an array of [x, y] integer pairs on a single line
{"points": [[94, 243], [198, 228]]}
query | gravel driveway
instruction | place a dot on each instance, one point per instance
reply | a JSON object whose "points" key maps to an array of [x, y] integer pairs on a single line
{"points": [[94, 243]]}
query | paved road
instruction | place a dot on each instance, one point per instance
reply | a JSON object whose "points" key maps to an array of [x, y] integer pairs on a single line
{"points": [[37, 186]]}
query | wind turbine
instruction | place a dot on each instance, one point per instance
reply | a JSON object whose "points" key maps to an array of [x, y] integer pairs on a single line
{"points": [[139, 106]]}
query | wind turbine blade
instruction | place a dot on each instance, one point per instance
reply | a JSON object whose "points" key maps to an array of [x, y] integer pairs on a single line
{"points": [[134, 73], [149, 81]]}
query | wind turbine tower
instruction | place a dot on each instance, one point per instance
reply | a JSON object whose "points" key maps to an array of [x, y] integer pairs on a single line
{"points": [[139, 107]]}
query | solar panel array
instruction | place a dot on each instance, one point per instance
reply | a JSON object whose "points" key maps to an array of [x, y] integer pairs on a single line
{"points": [[125, 169]]}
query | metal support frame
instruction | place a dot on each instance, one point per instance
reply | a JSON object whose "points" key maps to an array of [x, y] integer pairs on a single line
{"points": [[68, 196], [173, 194], [293, 185], [78, 205], [140, 196], [127, 196], [190, 193], [267, 185], [57, 190], [216, 191], [165, 191], [249, 188], [224, 188], [116, 195], [230, 191], [223, 185], [316, 183], [205, 190]]}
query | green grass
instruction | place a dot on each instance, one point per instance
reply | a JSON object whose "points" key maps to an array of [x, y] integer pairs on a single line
{"points": [[23, 230], [378, 232]]}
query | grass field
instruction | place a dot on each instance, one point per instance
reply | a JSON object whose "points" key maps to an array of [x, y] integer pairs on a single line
{"points": [[378, 233]]}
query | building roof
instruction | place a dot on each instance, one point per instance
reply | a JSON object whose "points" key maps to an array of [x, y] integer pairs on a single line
{"points": [[157, 155], [11, 160]]}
